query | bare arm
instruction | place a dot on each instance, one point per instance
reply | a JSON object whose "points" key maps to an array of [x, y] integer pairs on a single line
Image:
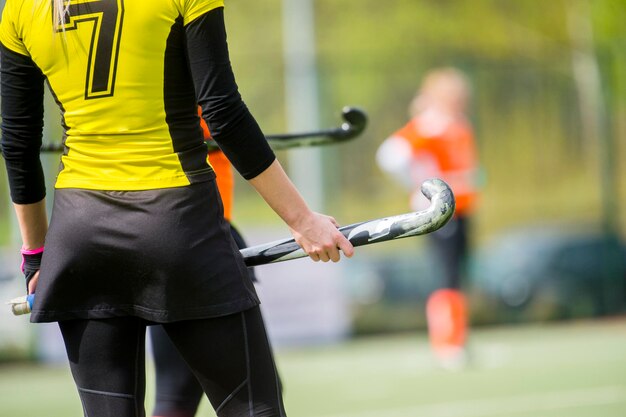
{"points": [[316, 233], [33, 224]]}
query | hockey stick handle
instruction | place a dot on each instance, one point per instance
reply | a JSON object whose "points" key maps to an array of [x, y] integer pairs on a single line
{"points": [[417, 223], [354, 123], [384, 229], [22, 305]]}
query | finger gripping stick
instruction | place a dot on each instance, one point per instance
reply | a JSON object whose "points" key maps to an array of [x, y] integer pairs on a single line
{"points": [[22, 305]]}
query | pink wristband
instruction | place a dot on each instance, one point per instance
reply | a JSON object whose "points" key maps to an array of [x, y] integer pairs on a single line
{"points": [[31, 251]]}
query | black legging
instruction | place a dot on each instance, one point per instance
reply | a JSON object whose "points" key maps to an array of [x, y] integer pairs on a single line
{"points": [[178, 392], [451, 247], [230, 356]]}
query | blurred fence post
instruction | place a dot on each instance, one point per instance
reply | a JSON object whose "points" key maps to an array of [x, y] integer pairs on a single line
{"points": [[301, 96]]}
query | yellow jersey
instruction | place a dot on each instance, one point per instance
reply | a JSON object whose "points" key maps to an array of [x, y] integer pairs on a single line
{"points": [[127, 100]]}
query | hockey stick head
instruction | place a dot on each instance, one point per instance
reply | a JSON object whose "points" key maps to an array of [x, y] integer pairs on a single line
{"points": [[438, 213], [355, 122], [353, 125], [442, 204]]}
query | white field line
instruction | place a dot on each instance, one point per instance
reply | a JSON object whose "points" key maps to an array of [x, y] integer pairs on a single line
{"points": [[503, 406]]}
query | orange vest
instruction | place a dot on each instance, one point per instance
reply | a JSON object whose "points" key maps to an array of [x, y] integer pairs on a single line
{"points": [[224, 172], [451, 144]]}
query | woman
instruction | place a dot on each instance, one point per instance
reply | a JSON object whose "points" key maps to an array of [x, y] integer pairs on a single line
{"points": [[137, 234], [438, 141]]}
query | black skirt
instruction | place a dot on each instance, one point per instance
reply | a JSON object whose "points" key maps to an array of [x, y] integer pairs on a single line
{"points": [[163, 255]]}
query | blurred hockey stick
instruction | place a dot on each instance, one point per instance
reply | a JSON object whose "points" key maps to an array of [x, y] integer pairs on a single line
{"points": [[354, 123]]}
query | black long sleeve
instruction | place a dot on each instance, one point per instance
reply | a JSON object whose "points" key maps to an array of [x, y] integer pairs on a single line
{"points": [[21, 89], [232, 126]]}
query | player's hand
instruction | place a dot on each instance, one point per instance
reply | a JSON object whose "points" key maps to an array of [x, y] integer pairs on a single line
{"points": [[318, 236], [31, 263], [32, 283]]}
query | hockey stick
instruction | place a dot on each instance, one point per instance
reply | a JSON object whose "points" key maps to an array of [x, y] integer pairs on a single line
{"points": [[373, 231], [354, 123], [359, 234]]}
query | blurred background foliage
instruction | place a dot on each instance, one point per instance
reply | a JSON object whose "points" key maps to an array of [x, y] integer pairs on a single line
{"points": [[548, 107], [543, 139], [541, 131]]}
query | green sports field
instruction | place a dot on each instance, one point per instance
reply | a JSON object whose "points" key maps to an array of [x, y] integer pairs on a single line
{"points": [[572, 369]]}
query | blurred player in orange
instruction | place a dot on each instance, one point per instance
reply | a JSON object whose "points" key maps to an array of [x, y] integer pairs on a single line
{"points": [[178, 393], [438, 142]]}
